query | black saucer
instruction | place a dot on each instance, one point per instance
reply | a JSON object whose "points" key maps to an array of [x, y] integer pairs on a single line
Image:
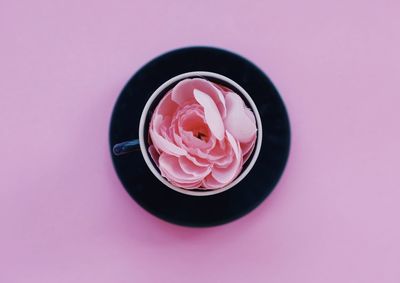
{"points": [[200, 211]]}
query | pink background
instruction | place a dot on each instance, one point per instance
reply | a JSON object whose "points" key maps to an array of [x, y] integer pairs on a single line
{"points": [[334, 217]]}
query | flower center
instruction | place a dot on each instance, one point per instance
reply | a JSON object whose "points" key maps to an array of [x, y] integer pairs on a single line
{"points": [[200, 135], [202, 132], [198, 127]]}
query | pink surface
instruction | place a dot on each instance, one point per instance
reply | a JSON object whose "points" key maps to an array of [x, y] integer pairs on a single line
{"points": [[334, 216]]}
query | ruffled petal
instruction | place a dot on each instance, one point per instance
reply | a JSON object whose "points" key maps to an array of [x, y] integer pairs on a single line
{"points": [[198, 161], [187, 186], [172, 170], [225, 161], [212, 115], [154, 154], [165, 145], [211, 183], [190, 168], [166, 106], [237, 121], [227, 174], [247, 149], [182, 93]]}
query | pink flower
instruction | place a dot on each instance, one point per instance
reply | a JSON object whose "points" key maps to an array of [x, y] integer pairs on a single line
{"points": [[201, 133]]}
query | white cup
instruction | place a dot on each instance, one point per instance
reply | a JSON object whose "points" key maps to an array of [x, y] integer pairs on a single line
{"points": [[134, 145]]}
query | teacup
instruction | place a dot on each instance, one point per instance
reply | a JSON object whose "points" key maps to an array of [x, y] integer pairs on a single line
{"points": [[142, 143]]}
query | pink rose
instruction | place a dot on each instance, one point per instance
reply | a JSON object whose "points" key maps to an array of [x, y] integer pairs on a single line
{"points": [[201, 133]]}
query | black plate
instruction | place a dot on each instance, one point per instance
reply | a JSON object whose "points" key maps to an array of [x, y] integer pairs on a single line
{"points": [[201, 211]]}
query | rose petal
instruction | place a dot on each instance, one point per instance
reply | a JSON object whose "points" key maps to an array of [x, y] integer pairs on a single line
{"points": [[192, 143], [212, 115], [234, 145], [250, 114], [226, 175], [191, 124], [221, 152], [165, 145], [190, 168], [225, 161], [188, 121], [246, 156], [182, 93], [247, 149], [161, 125], [211, 183], [166, 106], [154, 154], [237, 121], [224, 90], [188, 186], [198, 161], [172, 170], [216, 95]]}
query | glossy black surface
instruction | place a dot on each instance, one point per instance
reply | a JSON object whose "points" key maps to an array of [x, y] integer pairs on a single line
{"points": [[182, 209]]}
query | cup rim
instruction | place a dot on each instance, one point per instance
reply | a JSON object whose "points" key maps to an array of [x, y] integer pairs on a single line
{"points": [[145, 153]]}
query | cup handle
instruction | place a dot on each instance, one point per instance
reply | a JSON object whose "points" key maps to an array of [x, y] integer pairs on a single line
{"points": [[126, 147]]}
